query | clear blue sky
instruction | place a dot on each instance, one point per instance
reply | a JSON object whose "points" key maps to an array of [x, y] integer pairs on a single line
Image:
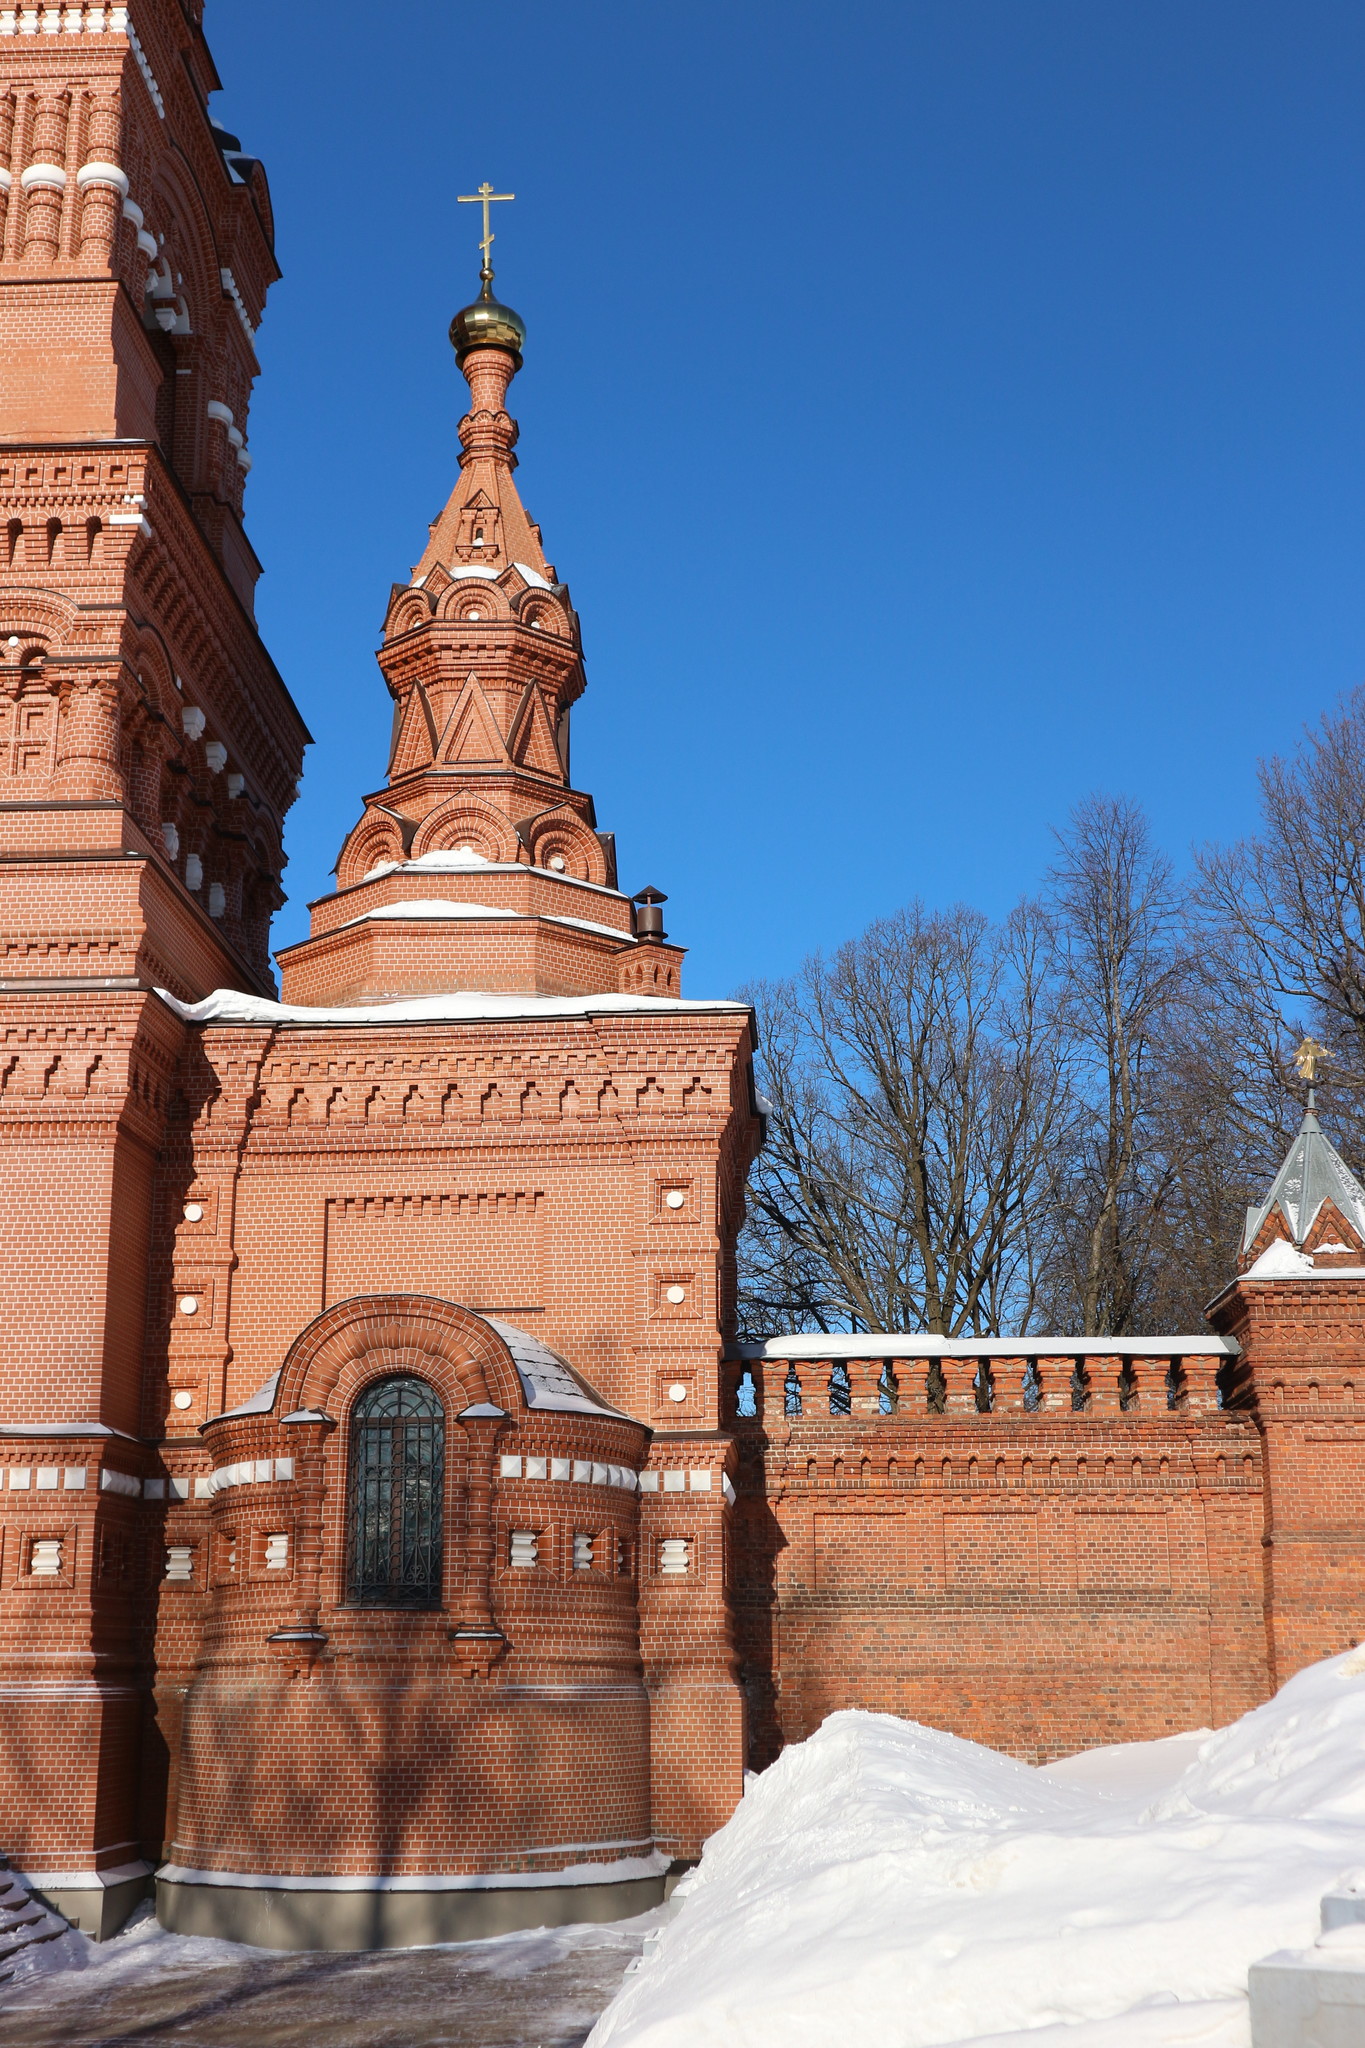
{"points": [[939, 411]]}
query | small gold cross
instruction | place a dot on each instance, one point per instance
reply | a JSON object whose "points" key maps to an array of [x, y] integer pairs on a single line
{"points": [[485, 197]]}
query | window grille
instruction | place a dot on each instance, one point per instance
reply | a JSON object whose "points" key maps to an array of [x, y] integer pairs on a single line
{"points": [[396, 1484]]}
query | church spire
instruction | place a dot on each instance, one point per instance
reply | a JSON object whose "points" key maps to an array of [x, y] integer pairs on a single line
{"points": [[485, 523], [483, 660]]}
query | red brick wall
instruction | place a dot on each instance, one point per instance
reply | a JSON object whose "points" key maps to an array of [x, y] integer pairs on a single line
{"points": [[1038, 1582]]}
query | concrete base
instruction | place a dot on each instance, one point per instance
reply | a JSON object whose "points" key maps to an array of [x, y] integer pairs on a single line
{"points": [[1308, 1998], [98, 1904], [284, 1916]]}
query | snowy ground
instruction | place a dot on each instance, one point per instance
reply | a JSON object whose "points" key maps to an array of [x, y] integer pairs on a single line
{"points": [[150, 1989], [883, 1883]]}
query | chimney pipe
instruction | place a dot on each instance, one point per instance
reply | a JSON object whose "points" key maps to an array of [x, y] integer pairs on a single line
{"points": [[649, 918]]}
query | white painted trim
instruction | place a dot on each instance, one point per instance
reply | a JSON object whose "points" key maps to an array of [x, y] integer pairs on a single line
{"points": [[103, 174], [43, 174], [622, 1871]]}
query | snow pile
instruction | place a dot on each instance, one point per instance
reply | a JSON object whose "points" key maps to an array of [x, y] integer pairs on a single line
{"points": [[886, 1883]]}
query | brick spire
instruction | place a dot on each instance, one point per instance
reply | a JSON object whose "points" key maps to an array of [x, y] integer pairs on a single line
{"points": [[479, 832]]}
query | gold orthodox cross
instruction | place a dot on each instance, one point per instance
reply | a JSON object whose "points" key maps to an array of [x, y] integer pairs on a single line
{"points": [[485, 197]]}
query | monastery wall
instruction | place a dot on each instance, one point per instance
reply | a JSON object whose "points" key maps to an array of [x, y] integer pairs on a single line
{"points": [[1039, 1579]]}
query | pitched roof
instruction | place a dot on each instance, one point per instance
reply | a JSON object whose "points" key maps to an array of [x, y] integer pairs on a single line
{"points": [[547, 1379], [1313, 1172]]}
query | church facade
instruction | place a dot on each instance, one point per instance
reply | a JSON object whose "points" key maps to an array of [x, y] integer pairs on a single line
{"points": [[395, 1544]]}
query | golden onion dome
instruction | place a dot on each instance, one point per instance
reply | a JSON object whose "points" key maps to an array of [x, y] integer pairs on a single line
{"points": [[487, 324]]}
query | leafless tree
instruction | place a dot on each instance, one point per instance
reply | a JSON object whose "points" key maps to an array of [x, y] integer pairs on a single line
{"points": [[1059, 1121], [1125, 980], [917, 1085], [1284, 920]]}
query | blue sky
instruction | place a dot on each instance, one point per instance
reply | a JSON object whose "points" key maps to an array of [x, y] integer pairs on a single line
{"points": [[939, 411]]}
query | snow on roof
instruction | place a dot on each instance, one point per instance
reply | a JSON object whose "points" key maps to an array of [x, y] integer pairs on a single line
{"points": [[916, 1344], [427, 906], [453, 860], [447, 863], [419, 907], [1283, 1261], [547, 1380], [468, 1006], [464, 572], [1314, 1172]]}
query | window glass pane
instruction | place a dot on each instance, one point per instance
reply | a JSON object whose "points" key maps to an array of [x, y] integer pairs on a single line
{"points": [[397, 1472]]}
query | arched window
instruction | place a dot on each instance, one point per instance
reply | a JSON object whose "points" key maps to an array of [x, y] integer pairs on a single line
{"points": [[398, 1444]]}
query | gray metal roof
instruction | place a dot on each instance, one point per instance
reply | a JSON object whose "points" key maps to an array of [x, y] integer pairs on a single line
{"points": [[547, 1380], [1313, 1172]]}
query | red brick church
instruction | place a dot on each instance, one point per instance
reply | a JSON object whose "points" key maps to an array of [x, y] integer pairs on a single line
{"points": [[395, 1545]]}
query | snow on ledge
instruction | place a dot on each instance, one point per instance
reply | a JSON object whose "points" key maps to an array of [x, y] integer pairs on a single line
{"points": [[424, 909], [916, 1344], [1282, 1261], [473, 1006], [455, 861]]}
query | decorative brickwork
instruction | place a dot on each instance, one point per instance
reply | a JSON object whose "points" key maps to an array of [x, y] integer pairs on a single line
{"points": [[394, 1542]]}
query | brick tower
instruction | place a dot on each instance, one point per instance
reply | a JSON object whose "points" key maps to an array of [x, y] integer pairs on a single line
{"points": [[1297, 1310], [148, 752], [365, 1529], [483, 1152]]}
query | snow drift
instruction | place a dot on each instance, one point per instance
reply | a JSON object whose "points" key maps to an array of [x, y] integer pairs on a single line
{"points": [[889, 1884]]}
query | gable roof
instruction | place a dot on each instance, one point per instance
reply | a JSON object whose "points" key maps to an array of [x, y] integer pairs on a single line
{"points": [[1313, 1172]]}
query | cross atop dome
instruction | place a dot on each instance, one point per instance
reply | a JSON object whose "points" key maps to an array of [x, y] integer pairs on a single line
{"points": [[487, 323]]}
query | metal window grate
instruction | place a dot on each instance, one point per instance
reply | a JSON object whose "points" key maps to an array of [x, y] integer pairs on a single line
{"points": [[396, 1484]]}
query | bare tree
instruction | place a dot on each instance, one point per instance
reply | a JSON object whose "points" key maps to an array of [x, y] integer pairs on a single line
{"points": [[1284, 915], [1125, 974], [917, 1086]]}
